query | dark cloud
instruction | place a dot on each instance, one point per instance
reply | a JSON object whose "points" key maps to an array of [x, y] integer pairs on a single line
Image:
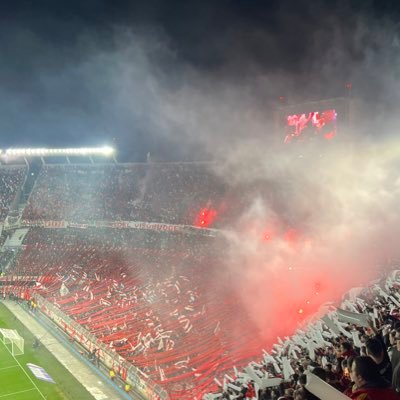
{"points": [[143, 74]]}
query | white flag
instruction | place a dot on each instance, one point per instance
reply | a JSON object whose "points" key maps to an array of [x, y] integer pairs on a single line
{"points": [[63, 290]]}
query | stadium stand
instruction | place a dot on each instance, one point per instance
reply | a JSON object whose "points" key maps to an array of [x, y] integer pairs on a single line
{"points": [[11, 180], [146, 306], [168, 193], [155, 307], [154, 297], [340, 349]]}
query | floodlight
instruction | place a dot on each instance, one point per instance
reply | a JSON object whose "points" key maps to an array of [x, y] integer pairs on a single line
{"points": [[42, 152], [107, 150]]}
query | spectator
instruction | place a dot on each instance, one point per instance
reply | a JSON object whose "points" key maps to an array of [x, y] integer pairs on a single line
{"points": [[376, 351], [347, 350], [392, 348], [250, 393], [332, 378], [112, 374], [140, 301], [396, 367], [320, 372], [369, 384]]}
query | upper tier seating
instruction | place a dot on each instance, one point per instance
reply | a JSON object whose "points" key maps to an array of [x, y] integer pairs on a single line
{"points": [[11, 180], [169, 193]]}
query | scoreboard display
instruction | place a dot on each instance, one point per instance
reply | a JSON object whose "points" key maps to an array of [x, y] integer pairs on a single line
{"points": [[311, 125], [318, 121]]}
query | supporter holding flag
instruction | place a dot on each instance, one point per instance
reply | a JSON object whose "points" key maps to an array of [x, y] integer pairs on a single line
{"points": [[251, 392]]}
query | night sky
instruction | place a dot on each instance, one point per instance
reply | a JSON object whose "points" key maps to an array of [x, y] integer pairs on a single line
{"points": [[145, 75]]}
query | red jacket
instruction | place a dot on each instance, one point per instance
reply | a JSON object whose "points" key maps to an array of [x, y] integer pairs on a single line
{"points": [[250, 391], [374, 394]]}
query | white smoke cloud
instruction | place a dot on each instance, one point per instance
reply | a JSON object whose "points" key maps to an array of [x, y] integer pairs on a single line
{"points": [[340, 199], [331, 207]]}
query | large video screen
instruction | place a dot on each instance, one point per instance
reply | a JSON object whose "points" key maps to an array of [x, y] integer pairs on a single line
{"points": [[312, 125]]}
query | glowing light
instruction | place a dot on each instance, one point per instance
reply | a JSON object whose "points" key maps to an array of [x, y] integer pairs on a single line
{"points": [[107, 150], [291, 236], [267, 235], [43, 152], [308, 125], [300, 311], [330, 135], [205, 217]]}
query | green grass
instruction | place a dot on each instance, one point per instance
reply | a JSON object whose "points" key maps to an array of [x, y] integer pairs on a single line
{"points": [[17, 381]]}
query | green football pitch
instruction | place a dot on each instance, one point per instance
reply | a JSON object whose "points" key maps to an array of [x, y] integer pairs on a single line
{"points": [[17, 381]]}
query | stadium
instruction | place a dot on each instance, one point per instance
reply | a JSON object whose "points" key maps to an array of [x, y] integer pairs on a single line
{"points": [[199, 200], [129, 266]]}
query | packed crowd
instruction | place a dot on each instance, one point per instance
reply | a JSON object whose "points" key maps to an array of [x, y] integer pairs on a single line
{"points": [[11, 180], [360, 360], [153, 297], [168, 193], [156, 305], [158, 309]]}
